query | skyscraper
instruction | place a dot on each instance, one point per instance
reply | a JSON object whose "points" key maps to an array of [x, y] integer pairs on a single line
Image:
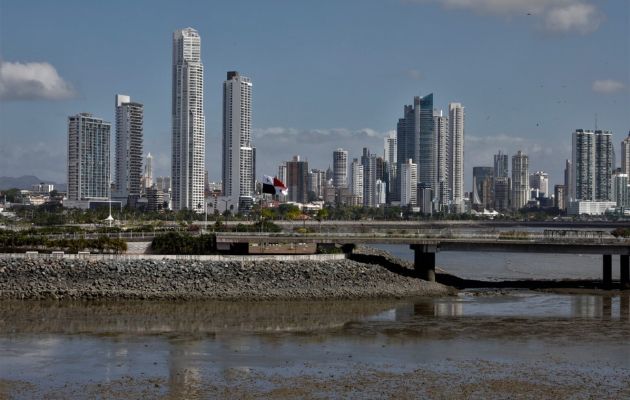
{"points": [[408, 183], [408, 134], [88, 158], [593, 160], [317, 183], [456, 154], [340, 168], [568, 183], [559, 194], [604, 165], [539, 181], [502, 186], [297, 180], [368, 161], [620, 189], [625, 155], [501, 165], [128, 163], [390, 153], [148, 171], [426, 159], [188, 139], [356, 174], [441, 152], [238, 154], [483, 178], [407, 144], [520, 180]]}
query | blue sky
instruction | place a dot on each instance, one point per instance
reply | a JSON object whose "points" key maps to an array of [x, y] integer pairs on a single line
{"points": [[326, 74]]}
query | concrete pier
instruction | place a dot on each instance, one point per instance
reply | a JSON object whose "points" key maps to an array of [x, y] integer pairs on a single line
{"points": [[424, 261], [607, 270], [624, 270]]}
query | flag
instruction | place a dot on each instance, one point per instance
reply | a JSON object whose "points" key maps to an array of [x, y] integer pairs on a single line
{"points": [[268, 185], [280, 187]]}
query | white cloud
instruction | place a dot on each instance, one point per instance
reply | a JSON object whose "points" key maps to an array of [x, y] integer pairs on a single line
{"points": [[580, 17], [558, 16], [414, 74], [607, 86], [32, 81]]}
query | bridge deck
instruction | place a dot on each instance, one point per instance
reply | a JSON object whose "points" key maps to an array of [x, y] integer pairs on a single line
{"points": [[535, 245]]}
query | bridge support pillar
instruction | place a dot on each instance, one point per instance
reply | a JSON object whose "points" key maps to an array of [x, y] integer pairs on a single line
{"points": [[424, 261], [607, 270], [624, 270]]}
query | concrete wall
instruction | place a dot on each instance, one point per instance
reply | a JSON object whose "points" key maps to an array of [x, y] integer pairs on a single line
{"points": [[122, 257]]}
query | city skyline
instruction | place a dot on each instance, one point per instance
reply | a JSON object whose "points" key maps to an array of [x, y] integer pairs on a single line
{"points": [[536, 114]]}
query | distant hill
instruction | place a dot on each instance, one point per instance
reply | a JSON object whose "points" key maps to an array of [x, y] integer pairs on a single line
{"points": [[25, 182]]}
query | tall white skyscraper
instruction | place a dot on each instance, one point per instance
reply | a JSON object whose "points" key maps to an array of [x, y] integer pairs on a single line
{"points": [[390, 153], [539, 180], [620, 189], [625, 155], [88, 158], [148, 171], [128, 162], [340, 168], [520, 180], [356, 173], [408, 183], [188, 139], [238, 159], [456, 154], [441, 187]]}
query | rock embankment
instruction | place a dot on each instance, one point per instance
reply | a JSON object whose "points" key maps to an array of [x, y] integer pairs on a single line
{"points": [[191, 279]]}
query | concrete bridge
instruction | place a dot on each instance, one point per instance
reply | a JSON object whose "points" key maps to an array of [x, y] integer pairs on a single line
{"points": [[425, 247]]}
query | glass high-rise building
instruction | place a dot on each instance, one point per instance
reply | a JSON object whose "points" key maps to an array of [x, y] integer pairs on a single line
{"points": [[188, 119], [368, 161], [426, 159], [483, 178], [238, 153], [88, 158], [501, 165], [128, 162]]}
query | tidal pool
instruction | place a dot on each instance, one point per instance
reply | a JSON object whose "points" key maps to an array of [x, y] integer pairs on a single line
{"points": [[480, 344]]}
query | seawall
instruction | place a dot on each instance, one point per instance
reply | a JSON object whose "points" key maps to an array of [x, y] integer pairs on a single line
{"points": [[207, 277]]}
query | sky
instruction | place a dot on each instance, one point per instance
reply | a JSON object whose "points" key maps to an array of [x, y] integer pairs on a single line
{"points": [[326, 74]]}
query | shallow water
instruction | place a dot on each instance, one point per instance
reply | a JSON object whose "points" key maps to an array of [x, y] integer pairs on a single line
{"points": [[514, 266], [516, 340]]}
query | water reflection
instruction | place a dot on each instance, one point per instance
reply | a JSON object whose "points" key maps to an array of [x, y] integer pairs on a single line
{"points": [[184, 376], [601, 306], [211, 318]]}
